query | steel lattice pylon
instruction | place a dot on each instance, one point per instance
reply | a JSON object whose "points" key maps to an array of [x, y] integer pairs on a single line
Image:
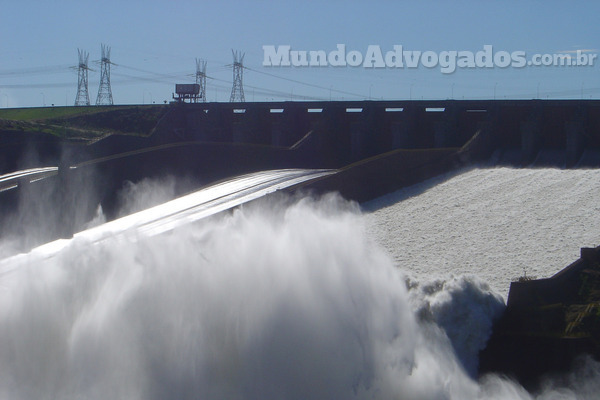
{"points": [[104, 91], [237, 93], [201, 77], [83, 98]]}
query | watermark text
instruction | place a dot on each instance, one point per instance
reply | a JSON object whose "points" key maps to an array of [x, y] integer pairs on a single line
{"points": [[398, 57]]}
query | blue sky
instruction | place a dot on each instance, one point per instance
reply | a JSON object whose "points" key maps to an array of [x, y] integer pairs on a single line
{"points": [[154, 45]]}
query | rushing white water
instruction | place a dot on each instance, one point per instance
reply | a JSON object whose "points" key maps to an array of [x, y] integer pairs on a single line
{"points": [[281, 299], [497, 223], [180, 211]]}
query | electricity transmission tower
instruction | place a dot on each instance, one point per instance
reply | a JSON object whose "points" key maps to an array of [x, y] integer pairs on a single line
{"points": [[237, 92], [83, 98], [201, 77], [104, 91]]}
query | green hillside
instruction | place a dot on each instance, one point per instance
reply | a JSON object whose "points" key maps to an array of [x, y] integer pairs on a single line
{"points": [[83, 122]]}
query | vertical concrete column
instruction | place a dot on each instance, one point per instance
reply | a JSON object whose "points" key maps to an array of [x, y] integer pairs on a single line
{"points": [[357, 129], [366, 131], [277, 133], [486, 145], [257, 124], [575, 141], [478, 148], [176, 125], [329, 133], [576, 135], [377, 130], [445, 130], [357, 140], [218, 123], [531, 136], [487, 131], [403, 129], [290, 126], [224, 129], [189, 131], [238, 125], [197, 121]]}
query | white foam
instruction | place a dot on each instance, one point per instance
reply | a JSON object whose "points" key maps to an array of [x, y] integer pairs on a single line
{"points": [[497, 224], [278, 299]]}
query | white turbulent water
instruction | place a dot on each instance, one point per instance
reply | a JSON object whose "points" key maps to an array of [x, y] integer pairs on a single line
{"points": [[497, 223], [283, 299]]}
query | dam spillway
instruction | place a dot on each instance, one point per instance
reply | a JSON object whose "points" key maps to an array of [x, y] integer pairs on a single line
{"points": [[378, 146], [240, 277]]}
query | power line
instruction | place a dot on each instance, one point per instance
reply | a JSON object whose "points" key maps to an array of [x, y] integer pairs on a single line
{"points": [[143, 75], [36, 85], [133, 78], [51, 69], [269, 92], [307, 84]]}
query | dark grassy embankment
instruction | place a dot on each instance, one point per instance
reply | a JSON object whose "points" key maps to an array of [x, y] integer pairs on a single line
{"points": [[82, 123]]}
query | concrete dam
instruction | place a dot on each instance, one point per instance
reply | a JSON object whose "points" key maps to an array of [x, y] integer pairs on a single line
{"points": [[56, 169], [350, 131], [377, 146]]}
